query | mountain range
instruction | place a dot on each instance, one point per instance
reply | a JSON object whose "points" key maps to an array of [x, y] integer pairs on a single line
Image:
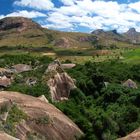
{"points": [[25, 32]]}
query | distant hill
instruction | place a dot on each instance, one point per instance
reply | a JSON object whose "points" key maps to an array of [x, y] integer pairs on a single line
{"points": [[132, 35], [19, 31]]}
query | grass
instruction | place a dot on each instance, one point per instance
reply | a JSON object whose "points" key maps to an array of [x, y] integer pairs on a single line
{"points": [[76, 55], [132, 56], [15, 116]]}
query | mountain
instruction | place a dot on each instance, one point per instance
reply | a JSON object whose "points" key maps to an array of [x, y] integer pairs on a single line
{"points": [[16, 31], [109, 37], [19, 31], [132, 35], [18, 23]]}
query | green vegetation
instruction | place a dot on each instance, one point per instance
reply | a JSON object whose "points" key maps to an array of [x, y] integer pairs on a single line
{"points": [[15, 116], [132, 56], [42, 120], [104, 113], [4, 109], [39, 65]]}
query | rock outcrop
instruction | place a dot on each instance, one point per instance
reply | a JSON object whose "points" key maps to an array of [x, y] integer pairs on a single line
{"points": [[132, 35], [130, 84], [18, 23], [5, 82], [62, 43], [68, 66], [43, 98], [18, 68], [43, 120], [4, 136], [59, 82], [5, 72], [132, 136]]}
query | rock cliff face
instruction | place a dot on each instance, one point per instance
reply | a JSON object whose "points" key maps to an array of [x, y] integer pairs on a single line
{"points": [[59, 82], [132, 35], [43, 120], [17, 23]]}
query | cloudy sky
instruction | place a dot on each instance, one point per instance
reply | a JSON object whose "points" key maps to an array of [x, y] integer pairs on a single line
{"points": [[76, 15]]}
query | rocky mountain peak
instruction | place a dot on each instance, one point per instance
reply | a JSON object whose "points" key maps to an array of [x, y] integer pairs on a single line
{"points": [[131, 31], [114, 31], [18, 23], [98, 31]]}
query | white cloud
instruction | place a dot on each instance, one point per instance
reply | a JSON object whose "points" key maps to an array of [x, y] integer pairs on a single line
{"points": [[24, 13], [59, 21], [1, 16], [67, 2], [85, 13], [135, 6], [37, 4]]}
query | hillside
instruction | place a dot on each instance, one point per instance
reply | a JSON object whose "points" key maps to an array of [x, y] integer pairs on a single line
{"points": [[25, 32]]}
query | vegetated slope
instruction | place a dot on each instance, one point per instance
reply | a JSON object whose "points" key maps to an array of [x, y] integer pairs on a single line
{"points": [[19, 31], [105, 105], [113, 37], [15, 31], [110, 37]]}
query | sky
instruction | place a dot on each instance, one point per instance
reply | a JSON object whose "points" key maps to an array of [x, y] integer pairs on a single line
{"points": [[76, 15]]}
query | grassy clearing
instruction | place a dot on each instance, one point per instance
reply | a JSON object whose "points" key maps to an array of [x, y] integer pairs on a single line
{"points": [[132, 56], [77, 55]]}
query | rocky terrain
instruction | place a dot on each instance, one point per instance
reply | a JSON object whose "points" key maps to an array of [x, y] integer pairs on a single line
{"points": [[133, 136], [20, 24], [39, 120], [132, 35], [59, 82]]}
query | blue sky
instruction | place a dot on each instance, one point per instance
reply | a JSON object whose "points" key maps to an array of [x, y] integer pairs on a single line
{"points": [[76, 15]]}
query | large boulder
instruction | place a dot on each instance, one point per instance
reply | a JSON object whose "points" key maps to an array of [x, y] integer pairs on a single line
{"points": [[68, 66], [130, 84], [18, 68], [43, 98], [5, 82], [132, 136], [59, 82], [5, 72], [42, 121], [4, 136]]}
